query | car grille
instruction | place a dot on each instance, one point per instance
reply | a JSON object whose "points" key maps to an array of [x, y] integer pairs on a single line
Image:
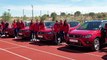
{"points": [[41, 33], [75, 36], [22, 31]]}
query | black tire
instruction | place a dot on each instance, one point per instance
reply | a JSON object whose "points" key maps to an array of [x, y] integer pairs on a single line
{"points": [[96, 45]]}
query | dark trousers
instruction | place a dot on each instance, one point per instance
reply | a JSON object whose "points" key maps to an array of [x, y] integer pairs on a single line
{"points": [[59, 35], [36, 34], [16, 31], [3, 31], [32, 34]]}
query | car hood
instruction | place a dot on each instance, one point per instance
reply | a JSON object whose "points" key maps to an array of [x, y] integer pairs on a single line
{"points": [[73, 28], [83, 32], [46, 30], [25, 28]]}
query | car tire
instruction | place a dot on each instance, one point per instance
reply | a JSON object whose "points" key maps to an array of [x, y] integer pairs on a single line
{"points": [[57, 41], [96, 45]]}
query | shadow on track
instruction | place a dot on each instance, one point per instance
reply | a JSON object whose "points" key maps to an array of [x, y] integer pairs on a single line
{"points": [[44, 43], [74, 49], [21, 40], [104, 49]]}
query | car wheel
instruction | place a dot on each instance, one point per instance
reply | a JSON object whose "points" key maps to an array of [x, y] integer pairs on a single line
{"points": [[96, 45], [57, 41]]}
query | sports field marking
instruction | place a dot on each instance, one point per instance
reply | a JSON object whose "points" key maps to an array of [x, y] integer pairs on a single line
{"points": [[40, 51], [15, 54]]}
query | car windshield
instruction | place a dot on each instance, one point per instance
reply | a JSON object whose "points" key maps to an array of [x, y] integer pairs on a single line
{"points": [[90, 26], [49, 24], [73, 24], [27, 23]]}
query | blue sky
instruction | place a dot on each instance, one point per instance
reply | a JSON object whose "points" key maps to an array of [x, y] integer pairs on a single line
{"points": [[68, 6]]}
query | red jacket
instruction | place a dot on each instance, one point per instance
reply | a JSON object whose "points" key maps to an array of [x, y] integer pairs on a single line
{"points": [[31, 27], [3, 25], [18, 25], [41, 26], [36, 27], [66, 28], [56, 27], [61, 26], [22, 25], [14, 25]]}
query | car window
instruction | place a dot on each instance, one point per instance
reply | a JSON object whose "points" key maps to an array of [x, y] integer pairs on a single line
{"points": [[73, 24], [27, 23], [90, 26], [49, 24]]}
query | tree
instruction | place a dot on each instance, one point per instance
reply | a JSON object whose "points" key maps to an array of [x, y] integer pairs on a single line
{"points": [[53, 15], [92, 14], [24, 17], [44, 17], [77, 13], [62, 14], [99, 16], [6, 16]]}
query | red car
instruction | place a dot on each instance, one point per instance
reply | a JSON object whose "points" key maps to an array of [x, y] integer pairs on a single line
{"points": [[42, 34], [24, 32], [48, 33], [90, 34], [9, 32]]}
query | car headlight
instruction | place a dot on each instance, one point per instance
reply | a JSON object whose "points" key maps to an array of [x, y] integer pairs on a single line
{"points": [[6, 32], [49, 33], [67, 35], [26, 30], [88, 36]]}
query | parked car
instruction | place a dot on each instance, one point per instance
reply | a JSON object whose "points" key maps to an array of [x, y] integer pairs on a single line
{"points": [[49, 35], [24, 32], [42, 34], [9, 32], [89, 34]]}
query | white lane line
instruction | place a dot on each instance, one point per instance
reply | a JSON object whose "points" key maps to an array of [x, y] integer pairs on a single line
{"points": [[13, 47], [15, 54], [41, 51], [92, 54]]}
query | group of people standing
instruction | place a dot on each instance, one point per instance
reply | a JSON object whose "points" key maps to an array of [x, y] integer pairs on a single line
{"points": [[3, 26], [60, 28], [17, 25]]}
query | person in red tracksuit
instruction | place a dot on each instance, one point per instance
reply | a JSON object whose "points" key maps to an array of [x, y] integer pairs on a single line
{"points": [[31, 27], [18, 28], [105, 29], [61, 34], [36, 28], [56, 29], [22, 25], [0, 29], [14, 26], [41, 25], [3, 27], [66, 28]]}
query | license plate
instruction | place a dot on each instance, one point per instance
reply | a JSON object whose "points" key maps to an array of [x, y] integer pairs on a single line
{"points": [[20, 34], [6, 32], [40, 36], [71, 40]]}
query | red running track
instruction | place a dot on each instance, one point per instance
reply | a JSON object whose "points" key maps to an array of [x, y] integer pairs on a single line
{"points": [[11, 49]]}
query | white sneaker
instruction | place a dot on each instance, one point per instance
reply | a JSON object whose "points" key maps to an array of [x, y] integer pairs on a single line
{"points": [[31, 40], [2, 35], [15, 37]]}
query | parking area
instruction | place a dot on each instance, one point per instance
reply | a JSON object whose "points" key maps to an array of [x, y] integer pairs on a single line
{"points": [[11, 49]]}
